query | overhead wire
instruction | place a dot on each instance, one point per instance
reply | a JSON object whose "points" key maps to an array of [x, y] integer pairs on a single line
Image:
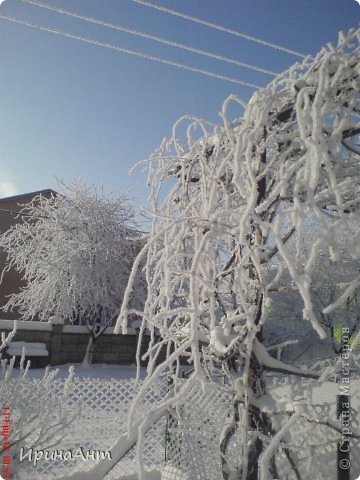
{"points": [[130, 52], [219, 27], [149, 36]]}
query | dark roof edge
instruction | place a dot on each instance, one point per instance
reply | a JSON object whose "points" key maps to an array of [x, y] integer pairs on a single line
{"points": [[23, 196]]}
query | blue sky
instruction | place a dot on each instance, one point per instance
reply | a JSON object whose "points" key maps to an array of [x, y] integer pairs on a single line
{"points": [[70, 110]]}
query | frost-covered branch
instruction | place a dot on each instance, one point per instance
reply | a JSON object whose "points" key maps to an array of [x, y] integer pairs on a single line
{"points": [[6, 339]]}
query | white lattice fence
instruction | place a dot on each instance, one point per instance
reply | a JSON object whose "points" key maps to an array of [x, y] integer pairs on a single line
{"points": [[194, 431], [103, 407], [311, 443], [188, 439]]}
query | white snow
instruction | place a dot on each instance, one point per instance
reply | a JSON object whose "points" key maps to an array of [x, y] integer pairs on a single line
{"points": [[25, 325], [29, 348], [96, 371]]}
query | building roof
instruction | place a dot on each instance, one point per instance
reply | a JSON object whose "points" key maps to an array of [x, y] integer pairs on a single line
{"points": [[24, 196]]}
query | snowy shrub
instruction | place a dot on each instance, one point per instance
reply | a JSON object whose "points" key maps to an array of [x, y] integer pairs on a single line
{"points": [[39, 418]]}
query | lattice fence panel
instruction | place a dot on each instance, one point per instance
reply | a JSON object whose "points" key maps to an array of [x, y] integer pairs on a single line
{"points": [[194, 431], [102, 417], [313, 439], [188, 439]]}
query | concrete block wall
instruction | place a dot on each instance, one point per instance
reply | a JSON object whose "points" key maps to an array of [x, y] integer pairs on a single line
{"points": [[68, 345]]}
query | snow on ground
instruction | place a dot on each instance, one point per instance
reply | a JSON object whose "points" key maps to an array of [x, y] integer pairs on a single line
{"points": [[153, 475], [101, 371]]}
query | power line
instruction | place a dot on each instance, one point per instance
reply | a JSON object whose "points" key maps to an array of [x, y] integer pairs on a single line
{"points": [[15, 212], [149, 37], [130, 52], [219, 27]]}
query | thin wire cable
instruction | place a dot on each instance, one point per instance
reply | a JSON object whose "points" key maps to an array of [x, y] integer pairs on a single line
{"points": [[14, 212], [130, 52], [149, 37], [219, 27]]}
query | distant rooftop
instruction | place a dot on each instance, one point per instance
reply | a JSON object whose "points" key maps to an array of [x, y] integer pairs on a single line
{"points": [[23, 196]]}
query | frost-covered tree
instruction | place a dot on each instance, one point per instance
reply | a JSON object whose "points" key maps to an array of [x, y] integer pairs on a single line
{"points": [[235, 195], [75, 252]]}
